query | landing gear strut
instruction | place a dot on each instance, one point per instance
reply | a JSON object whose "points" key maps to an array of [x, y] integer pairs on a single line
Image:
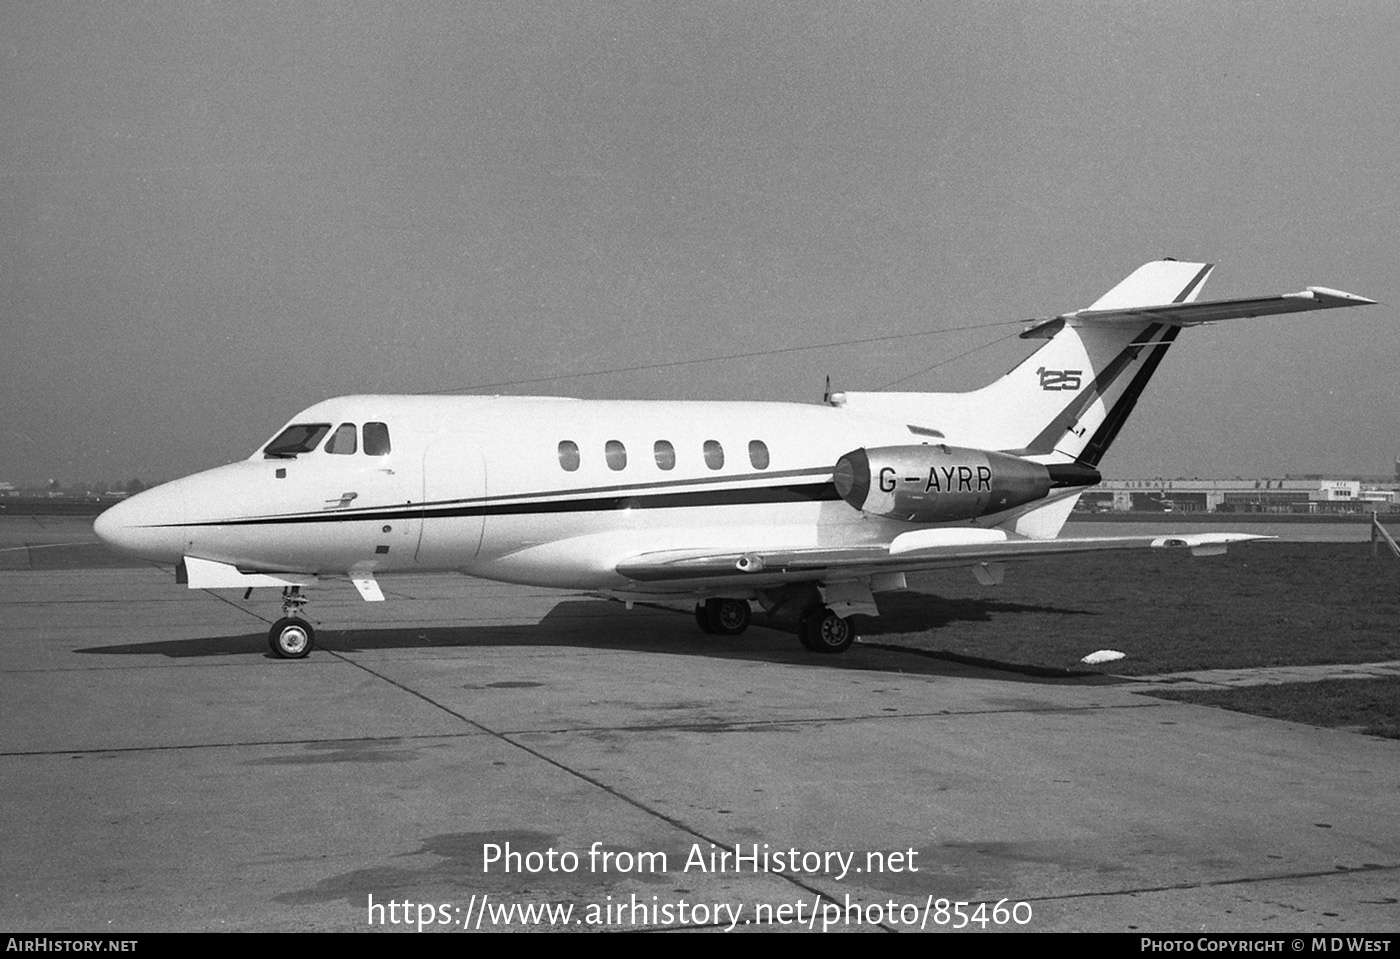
{"points": [[291, 637]]}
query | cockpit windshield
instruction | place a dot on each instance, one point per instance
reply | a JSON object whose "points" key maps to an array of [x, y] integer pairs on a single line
{"points": [[301, 438]]}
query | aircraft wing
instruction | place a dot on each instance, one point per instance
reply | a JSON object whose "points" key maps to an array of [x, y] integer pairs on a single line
{"points": [[914, 551]]}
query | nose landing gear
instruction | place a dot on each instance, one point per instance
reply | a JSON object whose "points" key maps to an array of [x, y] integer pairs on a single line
{"points": [[291, 637]]}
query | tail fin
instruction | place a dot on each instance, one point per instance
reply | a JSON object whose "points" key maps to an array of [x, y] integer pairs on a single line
{"points": [[1068, 401], [1155, 283]]}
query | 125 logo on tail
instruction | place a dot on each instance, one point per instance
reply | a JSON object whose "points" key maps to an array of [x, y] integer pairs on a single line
{"points": [[1059, 379]]}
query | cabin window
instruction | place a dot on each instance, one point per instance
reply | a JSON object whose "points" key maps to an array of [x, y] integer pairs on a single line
{"points": [[758, 454], [568, 455], [342, 441], [301, 438], [714, 454], [376, 439], [665, 455], [616, 455]]}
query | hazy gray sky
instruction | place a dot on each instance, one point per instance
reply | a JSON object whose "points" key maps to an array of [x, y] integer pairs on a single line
{"points": [[216, 214]]}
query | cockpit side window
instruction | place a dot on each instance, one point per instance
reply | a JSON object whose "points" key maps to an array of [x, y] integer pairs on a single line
{"points": [[376, 439], [301, 438], [343, 440]]}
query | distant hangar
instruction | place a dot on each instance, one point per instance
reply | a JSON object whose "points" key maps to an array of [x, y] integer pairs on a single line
{"points": [[1292, 494]]}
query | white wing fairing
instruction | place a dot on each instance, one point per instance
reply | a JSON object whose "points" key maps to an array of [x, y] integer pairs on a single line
{"points": [[206, 574], [806, 509]]}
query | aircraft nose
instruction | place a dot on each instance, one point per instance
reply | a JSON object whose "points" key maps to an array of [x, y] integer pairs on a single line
{"points": [[134, 527], [111, 526]]}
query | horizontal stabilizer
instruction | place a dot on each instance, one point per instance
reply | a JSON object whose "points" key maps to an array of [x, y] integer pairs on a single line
{"points": [[1211, 311]]}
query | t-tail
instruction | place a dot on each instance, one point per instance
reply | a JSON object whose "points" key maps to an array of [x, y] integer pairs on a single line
{"points": [[1067, 402]]}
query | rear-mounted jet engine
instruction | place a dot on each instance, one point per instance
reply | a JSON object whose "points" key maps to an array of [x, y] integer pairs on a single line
{"points": [[939, 484]]}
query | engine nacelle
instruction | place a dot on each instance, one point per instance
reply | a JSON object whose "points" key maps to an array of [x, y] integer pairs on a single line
{"points": [[940, 484]]}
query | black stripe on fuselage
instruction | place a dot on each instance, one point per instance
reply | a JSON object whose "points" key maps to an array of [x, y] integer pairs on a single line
{"points": [[642, 488], [744, 496]]}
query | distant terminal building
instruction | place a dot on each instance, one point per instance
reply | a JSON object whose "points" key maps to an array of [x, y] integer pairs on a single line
{"points": [[1292, 494]]}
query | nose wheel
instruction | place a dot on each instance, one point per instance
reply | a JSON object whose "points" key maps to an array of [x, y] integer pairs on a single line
{"points": [[291, 637]]}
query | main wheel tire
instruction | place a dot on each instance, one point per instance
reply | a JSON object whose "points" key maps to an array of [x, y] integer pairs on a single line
{"points": [[727, 617], [826, 632], [291, 638]]}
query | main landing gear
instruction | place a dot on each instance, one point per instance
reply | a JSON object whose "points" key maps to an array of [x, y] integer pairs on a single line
{"points": [[821, 630], [291, 637], [723, 617]]}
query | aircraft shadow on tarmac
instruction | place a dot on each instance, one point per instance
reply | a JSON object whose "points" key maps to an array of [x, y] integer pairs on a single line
{"points": [[913, 612], [601, 624]]}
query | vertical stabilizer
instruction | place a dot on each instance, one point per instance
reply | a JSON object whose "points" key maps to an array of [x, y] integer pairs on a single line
{"points": [[1157, 283], [1068, 399]]}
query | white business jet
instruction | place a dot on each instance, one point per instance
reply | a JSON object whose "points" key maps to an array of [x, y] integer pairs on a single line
{"points": [[807, 510]]}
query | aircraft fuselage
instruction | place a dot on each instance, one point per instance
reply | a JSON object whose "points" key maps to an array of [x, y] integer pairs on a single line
{"points": [[522, 489]]}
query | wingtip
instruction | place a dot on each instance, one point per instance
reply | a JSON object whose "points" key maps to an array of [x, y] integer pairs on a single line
{"points": [[1350, 299]]}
